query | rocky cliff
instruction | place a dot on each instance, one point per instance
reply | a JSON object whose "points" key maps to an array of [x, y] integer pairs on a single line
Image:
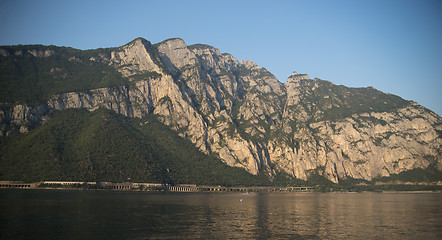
{"points": [[242, 113]]}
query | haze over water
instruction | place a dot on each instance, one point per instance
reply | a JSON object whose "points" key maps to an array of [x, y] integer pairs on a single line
{"points": [[29, 214]]}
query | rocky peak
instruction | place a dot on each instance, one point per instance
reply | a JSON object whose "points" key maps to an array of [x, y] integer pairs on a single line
{"points": [[292, 87], [175, 54], [138, 42], [204, 48], [173, 42], [211, 58], [295, 77], [134, 58], [249, 64]]}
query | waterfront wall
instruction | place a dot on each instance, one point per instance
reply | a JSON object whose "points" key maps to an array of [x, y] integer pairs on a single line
{"points": [[150, 187], [10, 184]]}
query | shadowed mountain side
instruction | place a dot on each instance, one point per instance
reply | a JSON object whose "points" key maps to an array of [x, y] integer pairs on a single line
{"points": [[78, 145]]}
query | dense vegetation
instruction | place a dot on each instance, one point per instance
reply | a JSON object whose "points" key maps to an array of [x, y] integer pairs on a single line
{"points": [[33, 79], [327, 101], [81, 146], [405, 181], [78, 145], [429, 174]]}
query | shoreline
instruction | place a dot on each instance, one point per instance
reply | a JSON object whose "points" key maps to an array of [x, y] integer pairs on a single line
{"points": [[219, 192], [155, 187]]}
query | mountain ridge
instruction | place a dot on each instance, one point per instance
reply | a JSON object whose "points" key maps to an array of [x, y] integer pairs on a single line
{"points": [[241, 112]]}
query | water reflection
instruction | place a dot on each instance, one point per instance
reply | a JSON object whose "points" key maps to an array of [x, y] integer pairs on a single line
{"points": [[132, 215]]}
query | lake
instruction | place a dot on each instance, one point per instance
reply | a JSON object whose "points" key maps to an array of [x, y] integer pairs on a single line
{"points": [[64, 214]]}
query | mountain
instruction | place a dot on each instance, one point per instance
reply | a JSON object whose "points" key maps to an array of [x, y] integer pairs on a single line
{"points": [[235, 111]]}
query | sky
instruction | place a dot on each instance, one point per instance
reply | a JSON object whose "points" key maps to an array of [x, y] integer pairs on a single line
{"points": [[394, 46]]}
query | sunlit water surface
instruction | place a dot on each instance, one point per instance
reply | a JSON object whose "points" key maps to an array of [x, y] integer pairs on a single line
{"points": [[49, 214]]}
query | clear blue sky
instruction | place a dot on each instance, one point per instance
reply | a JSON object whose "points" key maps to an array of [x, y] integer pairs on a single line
{"points": [[392, 45]]}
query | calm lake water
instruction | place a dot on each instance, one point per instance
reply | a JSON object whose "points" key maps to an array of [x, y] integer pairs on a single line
{"points": [[50, 214]]}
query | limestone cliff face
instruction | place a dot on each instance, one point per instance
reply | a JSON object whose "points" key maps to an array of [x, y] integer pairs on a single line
{"points": [[241, 112], [134, 58]]}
